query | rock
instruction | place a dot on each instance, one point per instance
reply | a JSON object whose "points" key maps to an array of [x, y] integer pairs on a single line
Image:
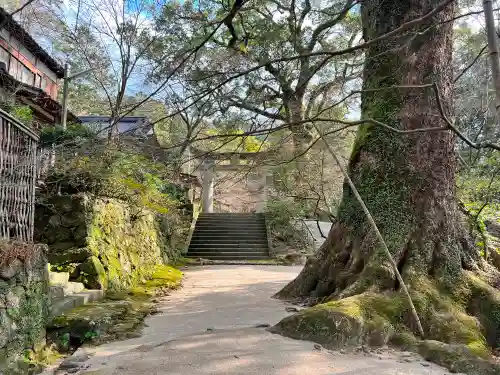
{"points": [[71, 255], [333, 327], [493, 228], [317, 346], [291, 309], [210, 329], [94, 272], [13, 298], [8, 271], [294, 258], [69, 365], [5, 328], [425, 364], [263, 325], [155, 311]]}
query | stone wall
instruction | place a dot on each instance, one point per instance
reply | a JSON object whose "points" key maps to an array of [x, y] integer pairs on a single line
{"points": [[23, 312], [103, 242]]}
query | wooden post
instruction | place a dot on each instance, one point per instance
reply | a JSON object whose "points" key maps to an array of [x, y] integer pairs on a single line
{"points": [[65, 97]]}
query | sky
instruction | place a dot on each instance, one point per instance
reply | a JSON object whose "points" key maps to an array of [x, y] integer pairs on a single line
{"points": [[475, 22]]}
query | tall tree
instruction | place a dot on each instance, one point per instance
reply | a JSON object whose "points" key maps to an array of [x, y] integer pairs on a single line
{"points": [[112, 38], [281, 92], [408, 183]]}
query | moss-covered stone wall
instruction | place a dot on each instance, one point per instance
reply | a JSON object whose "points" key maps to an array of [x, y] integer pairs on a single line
{"points": [[23, 313], [103, 242]]}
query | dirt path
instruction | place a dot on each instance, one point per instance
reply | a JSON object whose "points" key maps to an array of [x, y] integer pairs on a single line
{"points": [[209, 327]]}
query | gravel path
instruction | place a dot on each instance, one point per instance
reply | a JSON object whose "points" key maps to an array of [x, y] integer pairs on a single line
{"points": [[209, 327]]}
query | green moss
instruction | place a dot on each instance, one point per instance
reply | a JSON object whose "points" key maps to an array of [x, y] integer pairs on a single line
{"points": [[119, 316], [484, 302], [44, 357], [127, 241], [457, 358], [93, 274], [348, 306], [168, 274], [403, 339], [333, 325], [383, 318]]}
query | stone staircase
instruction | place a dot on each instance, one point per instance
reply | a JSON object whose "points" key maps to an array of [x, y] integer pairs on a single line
{"points": [[229, 236], [66, 295]]}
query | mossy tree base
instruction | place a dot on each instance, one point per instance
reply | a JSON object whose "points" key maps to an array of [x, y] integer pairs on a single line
{"points": [[461, 324]]}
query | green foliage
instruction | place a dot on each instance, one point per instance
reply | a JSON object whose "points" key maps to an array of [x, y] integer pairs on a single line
{"points": [[119, 316], [479, 182], [116, 174], [55, 135], [23, 113], [479, 192], [232, 140], [280, 217]]}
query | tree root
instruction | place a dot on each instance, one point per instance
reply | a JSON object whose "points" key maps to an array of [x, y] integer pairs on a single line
{"points": [[461, 325]]}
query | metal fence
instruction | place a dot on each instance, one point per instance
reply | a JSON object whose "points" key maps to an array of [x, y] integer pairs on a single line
{"points": [[18, 161]]}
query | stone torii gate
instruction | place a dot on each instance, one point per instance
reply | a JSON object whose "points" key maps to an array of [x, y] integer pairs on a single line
{"points": [[212, 166]]}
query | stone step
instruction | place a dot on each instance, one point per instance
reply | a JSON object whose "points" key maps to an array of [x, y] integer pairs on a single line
{"points": [[234, 250], [56, 291], [224, 220], [229, 217], [229, 257], [230, 245], [226, 239], [229, 236], [58, 278], [231, 214], [73, 288], [61, 304], [239, 231], [231, 225]]}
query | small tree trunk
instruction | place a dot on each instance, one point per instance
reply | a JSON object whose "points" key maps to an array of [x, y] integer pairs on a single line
{"points": [[495, 62], [407, 181]]}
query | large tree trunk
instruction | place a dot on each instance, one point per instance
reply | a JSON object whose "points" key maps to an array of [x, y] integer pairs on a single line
{"points": [[407, 181]]}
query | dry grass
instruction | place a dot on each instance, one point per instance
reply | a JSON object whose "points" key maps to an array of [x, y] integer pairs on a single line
{"points": [[28, 253]]}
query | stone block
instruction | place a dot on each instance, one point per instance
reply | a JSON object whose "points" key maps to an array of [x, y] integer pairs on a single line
{"points": [[23, 312], [11, 270], [73, 287], [70, 255], [61, 305], [56, 291], [14, 297], [58, 278]]}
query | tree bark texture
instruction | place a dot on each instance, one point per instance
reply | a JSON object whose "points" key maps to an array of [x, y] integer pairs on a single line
{"points": [[406, 180]]}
